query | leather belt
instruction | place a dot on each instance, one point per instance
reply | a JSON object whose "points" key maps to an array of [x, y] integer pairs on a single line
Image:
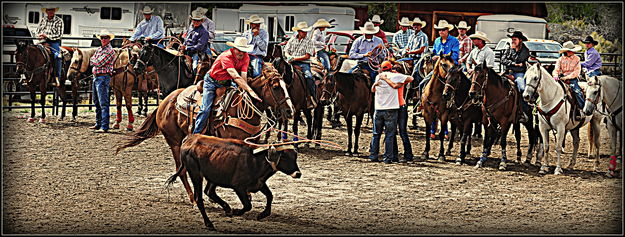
{"points": [[102, 74]]}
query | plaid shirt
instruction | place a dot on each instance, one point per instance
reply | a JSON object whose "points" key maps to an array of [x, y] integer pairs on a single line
{"points": [[417, 41], [52, 28], [298, 48], [569, 66], [466, 45], [103, 60], [401, 38]]}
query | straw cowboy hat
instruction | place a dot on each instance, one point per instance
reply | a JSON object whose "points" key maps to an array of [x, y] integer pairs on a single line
{"points": [[255, 19], [589, 39], [442, 24], [56, 9], [376, 19], [418, 21], [202, 10], [405, 22], [303, 26], [463, 25], [241, 44], [369, 28], [197, 15], [569, 46], [105, 32], [147, 10], [519, 35], [480, 35], [322, 23]]}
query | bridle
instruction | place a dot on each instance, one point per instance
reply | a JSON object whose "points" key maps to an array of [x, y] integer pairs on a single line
{"points": [[26, 63]]}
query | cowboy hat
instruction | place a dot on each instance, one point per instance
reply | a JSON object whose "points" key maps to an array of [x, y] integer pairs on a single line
{"points": [[303, 26], [463, 25], [569, 46], [56, 9], [255, 19], [202, 10], [405, 22], [418, 21], [519, 35], [105, 32], [369, 28], [589, 39], [442, 24], [147, 10], [480, 35], [197, 15], [376, 19], [242, 44], [322, 23]]}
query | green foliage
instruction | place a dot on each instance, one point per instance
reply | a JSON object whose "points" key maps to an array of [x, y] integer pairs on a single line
{"points": [[388, 12], [560, 12]]}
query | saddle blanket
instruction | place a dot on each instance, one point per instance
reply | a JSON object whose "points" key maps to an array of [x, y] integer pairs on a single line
{"points": [[348, 64]]}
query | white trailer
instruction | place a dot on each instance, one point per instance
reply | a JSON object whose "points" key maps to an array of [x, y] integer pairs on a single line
{"points": [[280, 19], [499, 25]]}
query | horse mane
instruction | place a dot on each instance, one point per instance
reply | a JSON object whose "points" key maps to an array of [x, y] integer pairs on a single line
{"points": [[86, 55]]}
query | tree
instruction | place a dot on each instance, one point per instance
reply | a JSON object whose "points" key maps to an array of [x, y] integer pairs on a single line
{"points": [[388, 13]]}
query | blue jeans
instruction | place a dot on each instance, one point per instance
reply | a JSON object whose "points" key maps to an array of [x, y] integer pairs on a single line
{"points": [[207, 103], [402, 124], [594, 73], [55, 46], [257, 65], [310, 83], [323, 57], [578, 92], [417, 77], [196, 58], [101, 100], [372, 73], [520, 84], [384, 120]]}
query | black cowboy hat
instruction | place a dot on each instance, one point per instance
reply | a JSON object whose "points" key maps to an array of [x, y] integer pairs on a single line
{"points": [[589, 39], [519, 35]]}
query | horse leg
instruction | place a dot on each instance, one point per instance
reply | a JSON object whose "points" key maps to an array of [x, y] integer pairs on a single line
{"points": [[359, 119], [318, 123], [309, 125], [32, 105], [212, 195], [118, 105], [503, 143], [426, 152], [75, 100], [451, 140], [42, 101], [63, 93], [486, 145], [575, 135], [596, 129], [560, 136], [517, 135], [613, 147], [544, 134], [175, 150], [466, 129], [269, 196], [348, 120], [441, 136], [131, 117], [532, 137]]}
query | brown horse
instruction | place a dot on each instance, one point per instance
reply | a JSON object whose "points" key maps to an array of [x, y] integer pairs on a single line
{"points": [[175, 125], [122, 81], [434, 105], [33, 62]]}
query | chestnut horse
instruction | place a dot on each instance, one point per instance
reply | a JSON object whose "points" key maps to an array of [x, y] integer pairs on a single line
{"points": [[33, 62], [175, 125]]}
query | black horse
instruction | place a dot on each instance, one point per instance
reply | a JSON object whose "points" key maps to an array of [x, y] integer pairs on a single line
{"points": [[173, 73]]}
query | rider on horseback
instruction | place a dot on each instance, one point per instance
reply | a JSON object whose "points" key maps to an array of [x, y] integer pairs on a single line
{"points": [[592, 62], [363, 46], [259, 38], [401, 37], [209, 25], [230, 65], [568, 68], [49, 32], [196, 42], [417, 44], [298, 51], [151, 28], [514, 59], [481, 53], [318, 38]]}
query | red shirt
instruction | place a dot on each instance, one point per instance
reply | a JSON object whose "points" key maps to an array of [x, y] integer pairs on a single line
{"points": [[400, 91], [228, 60], [382, 35]]}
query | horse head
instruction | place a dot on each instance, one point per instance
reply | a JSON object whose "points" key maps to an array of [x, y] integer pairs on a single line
{"points": [[76, 65], [478, 81], [21, 56], [532, 78], [593, 95], [451, 81], [443, 64], [328, 88], [145, 57], [274, 92]]}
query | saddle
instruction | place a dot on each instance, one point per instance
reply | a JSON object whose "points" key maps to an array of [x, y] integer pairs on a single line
{"points": [[570, 97], [189, 101], [316, 68]]}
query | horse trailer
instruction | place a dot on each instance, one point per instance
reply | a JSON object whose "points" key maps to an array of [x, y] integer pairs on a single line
{"points": [[498, 26]]}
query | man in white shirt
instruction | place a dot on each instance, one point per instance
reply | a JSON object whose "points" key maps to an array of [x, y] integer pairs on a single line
{"points": [[481, 53]]}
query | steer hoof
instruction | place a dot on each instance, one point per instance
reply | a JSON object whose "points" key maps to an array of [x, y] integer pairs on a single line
{"points": [[502, 166]]}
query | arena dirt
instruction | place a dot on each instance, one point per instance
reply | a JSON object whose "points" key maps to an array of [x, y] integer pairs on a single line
{"points": [[62, 178]]}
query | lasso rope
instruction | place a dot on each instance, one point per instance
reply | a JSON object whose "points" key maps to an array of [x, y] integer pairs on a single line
{"points": [[304, 140]]}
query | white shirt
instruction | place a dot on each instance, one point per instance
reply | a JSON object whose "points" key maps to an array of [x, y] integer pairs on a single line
{"points": [[386, 97], [477, 56]]}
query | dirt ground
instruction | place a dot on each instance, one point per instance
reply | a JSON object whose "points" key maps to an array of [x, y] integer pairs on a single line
{"points": [[62, 178]]}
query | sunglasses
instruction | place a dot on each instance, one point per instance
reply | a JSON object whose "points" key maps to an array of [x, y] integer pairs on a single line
{"points": [[105, 37]]}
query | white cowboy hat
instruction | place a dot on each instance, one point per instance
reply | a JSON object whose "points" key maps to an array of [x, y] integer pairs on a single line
{"points": [[56, 9], [202, 10], [405, 22], [569, 46], [197, 15], [442, 24], [105, 32], [369, 28], [241, 44], [463, 25], [322, 23], [147, 10], [255, 19], [418, 21], [480, 35], [303, 26], [376, 19]]}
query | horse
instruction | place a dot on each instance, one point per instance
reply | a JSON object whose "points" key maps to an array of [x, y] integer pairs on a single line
{"points": [[607, 90], [422, 67], [122, 81], [173, 73], [434, 105], [35, 62], [464, 113], [74, 85], [175, 125], [556, 113], [146, 81]]}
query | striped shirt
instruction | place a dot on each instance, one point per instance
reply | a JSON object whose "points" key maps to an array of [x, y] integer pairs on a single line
{"points": [[417, 41], [298, 48], [103, 60], [401, 38], [260, 41], [466, 45], [153, 28], [52, 28], [569, 66]]}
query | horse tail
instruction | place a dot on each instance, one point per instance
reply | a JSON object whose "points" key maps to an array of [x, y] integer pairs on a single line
{"points": [[147, 130]]}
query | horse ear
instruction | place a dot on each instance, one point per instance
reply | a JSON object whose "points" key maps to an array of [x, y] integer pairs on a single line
{"points": [[20, 44]]}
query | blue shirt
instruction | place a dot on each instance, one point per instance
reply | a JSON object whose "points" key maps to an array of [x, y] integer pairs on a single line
{"points": [[361, 46], [592, 60], [452, 45], [153, 28], [260, 41], [197, 39], [416, 41], [401, 38], [209, 25]]}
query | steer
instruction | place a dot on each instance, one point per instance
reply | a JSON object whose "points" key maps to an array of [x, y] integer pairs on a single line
{"points": [[231, 163]]}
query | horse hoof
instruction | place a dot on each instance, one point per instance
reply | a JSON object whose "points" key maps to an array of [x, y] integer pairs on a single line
{"points": [[458, 161], [479, 165], [73, 120], [129, 129], [441, 158], [502, 166], [558, 171], [42, 120], [448, 153], [116, 126], [31, 120]]}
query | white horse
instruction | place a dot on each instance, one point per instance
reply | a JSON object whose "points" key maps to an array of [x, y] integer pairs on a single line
{"points": [[555, 114], [608, 91]]}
